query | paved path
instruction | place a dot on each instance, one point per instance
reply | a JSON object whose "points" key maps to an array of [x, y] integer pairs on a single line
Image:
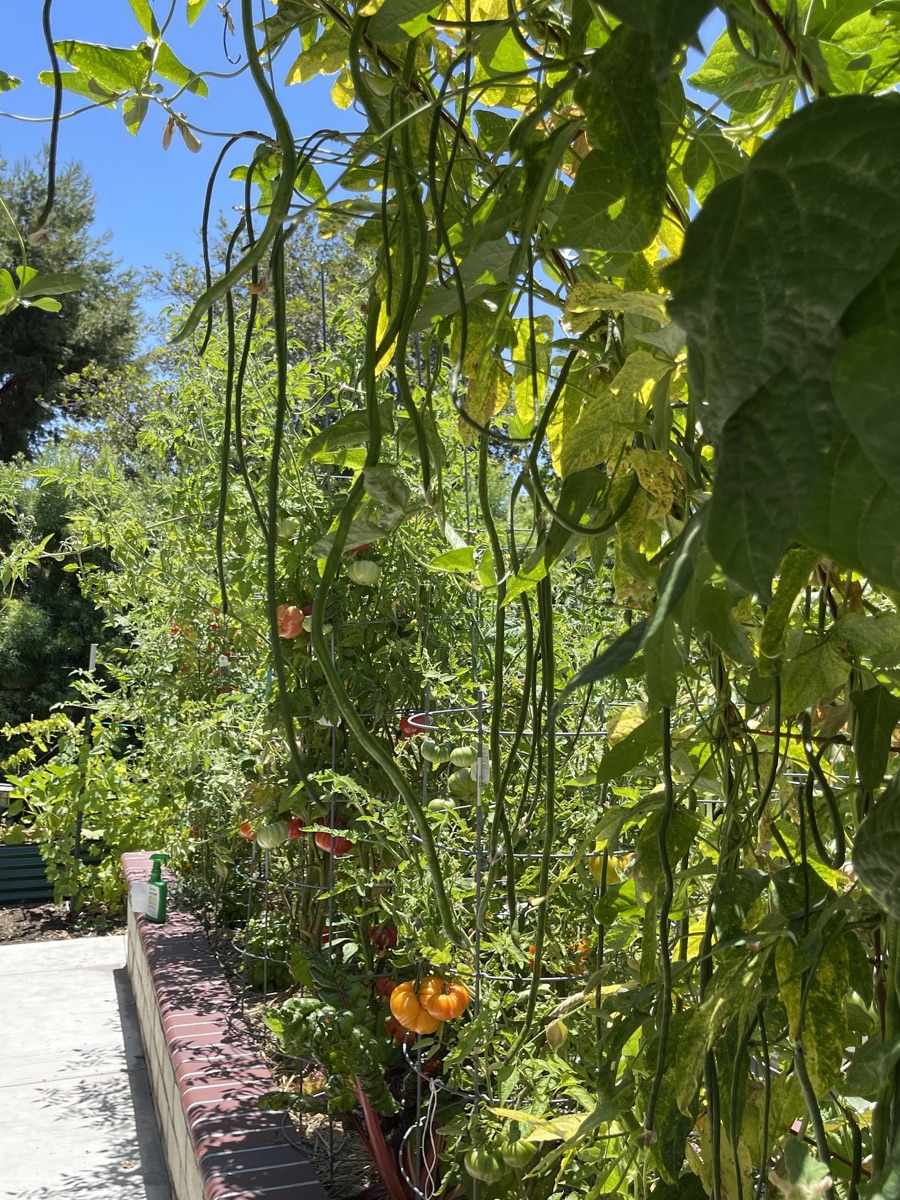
{"points": [[76, 1118]]}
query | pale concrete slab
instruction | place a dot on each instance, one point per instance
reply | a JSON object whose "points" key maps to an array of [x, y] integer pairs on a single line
{"points": [[76, 1117]]}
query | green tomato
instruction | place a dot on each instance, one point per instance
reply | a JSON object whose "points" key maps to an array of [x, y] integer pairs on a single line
{"points": [[288, 527], [273, 835], [439, 805], [518, 1154], [364, 571], [461, 784], [432, 752], [464, 756], [484, 1165]]}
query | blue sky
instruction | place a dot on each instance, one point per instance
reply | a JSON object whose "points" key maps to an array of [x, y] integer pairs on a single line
{"points": [[150, 199]]}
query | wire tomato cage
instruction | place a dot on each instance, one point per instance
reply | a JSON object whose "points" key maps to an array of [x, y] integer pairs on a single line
{"points": [[298, 892]]}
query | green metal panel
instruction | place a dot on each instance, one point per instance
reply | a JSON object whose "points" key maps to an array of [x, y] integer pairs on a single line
{"points": [[23, 879]]}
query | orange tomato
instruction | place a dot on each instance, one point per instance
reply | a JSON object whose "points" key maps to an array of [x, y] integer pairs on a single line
{"points": [[442, 999], [290, 620], [409, 1012]]}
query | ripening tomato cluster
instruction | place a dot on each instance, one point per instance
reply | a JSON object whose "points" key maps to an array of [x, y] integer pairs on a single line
{"points": [[276, 833], [423, 1007]]}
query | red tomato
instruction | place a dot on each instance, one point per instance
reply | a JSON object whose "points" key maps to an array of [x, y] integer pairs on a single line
{"points": [[295, 827], [194, 832], [401, 1035], [410, 726], [290, 620], [384, 986], [246, 830], [384, 936], [330, 843], [353, 549], [175, 629], [338, 846], [213, 626]]}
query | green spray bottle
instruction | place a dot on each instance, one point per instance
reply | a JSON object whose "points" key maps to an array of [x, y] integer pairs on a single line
{"points": [[156, 890]]}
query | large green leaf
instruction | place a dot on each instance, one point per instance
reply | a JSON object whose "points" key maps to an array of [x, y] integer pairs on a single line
{"points": [[802, 214], [631, 751], [865, 379], [814, 672], [826, 17], [713, 615], [145, 17], [82, 85], [194, 9], [877, 714], [767, 464], [852, 515], [736, 896], [793, 576], [710, 159], [862, 55], [728, 999], [617, 199], [9, 296], [670, 24], [8, 82], [398, 20], [877, 638], [575, 497], [168, 66], [134, 110], [731, 75], [662, 664], [39, 283], [113, 68], [870, 1065], [671, 1126], [352, 429], [876, 851]]}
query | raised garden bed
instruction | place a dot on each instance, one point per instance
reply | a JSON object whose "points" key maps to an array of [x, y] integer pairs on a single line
{"points": [[206, 1072]]}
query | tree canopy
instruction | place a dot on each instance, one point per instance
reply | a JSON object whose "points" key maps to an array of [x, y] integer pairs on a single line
{"points": [[96, 324]]}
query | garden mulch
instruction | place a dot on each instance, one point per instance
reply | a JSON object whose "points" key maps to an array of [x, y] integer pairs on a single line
{"points": [[51, 923]]}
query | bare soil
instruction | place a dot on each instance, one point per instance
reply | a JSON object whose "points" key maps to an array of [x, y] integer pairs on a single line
{"points": [[52, 923]]}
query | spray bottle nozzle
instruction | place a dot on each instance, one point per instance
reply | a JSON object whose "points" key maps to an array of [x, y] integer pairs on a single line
{"points": [[156, 870]]}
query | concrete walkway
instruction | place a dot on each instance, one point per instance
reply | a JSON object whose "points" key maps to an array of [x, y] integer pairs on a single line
{"points": [[76, 1118]]}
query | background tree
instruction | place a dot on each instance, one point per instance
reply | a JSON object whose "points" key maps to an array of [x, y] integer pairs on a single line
{"points": [[97, 324], [47, 624]]}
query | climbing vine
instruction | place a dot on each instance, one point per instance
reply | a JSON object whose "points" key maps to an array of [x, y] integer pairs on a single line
{"points": [[629, 374]]}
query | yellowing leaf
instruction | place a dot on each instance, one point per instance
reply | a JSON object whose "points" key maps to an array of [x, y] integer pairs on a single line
{"points": [[825, 1029], [542, 1129], [586, 301], [325, 56], [194, 9], [611, 416], [655, 471], [624, 721], [384, 319], [487, 393], [342, 94]]}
